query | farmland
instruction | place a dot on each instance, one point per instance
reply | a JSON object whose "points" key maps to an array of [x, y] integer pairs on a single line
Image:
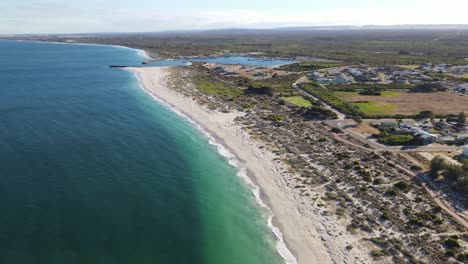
{"points": [[407, 103], [390, 103]]}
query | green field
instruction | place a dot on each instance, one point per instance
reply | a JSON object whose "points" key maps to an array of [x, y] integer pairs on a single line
{"points": [[373, 108], [310, 66], [297, 101]]}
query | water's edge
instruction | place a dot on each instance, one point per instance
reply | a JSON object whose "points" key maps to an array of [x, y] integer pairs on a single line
{"points": [[234, 161]]}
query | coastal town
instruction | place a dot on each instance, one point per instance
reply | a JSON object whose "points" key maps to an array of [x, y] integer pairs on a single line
{"points": [[389, 160]]}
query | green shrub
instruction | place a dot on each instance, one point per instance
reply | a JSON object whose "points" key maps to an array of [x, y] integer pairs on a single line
{"points": [[376, 253], [391, 192], [415, 221], [377, 181], [401, 185], [451, 243]]}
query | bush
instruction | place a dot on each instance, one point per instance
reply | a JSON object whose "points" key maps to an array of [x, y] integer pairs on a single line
{"points": [[391, 192], [385, 216], [437, 164], [377, 181], [462, 257], [370, 91], [428, 88], [401, 185], [407, 211], [336, 130], [415, 221], [451, 243], [375, 253], [395, 140], [275, 118]]}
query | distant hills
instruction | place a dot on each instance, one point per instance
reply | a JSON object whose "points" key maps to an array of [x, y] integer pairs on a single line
{"points": [[248, 31]]}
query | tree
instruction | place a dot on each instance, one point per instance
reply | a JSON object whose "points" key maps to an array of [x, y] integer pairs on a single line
{"points": [[437, 164], [427, 114], [357, 119], [453, 172], [399, 122], [461, 118]]}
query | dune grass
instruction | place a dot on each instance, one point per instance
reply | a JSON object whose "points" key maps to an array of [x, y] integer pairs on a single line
{"points": [[297, 101]]}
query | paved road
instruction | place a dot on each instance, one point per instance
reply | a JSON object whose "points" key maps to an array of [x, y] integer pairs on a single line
{"points": [[346, 125], [340, 115]]}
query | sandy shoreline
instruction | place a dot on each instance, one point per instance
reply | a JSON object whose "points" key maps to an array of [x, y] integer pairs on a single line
{"points": [[309, 235]]}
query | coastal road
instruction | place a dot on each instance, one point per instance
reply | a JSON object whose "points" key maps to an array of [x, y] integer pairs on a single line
{"points": [[425, 183], [346, 125], [340, 115]]}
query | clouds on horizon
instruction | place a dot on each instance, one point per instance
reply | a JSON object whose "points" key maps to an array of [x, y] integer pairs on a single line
{"points": [[56, 17]]}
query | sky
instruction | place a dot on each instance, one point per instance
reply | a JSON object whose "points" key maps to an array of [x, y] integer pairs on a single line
{"points": [[83, 16]]}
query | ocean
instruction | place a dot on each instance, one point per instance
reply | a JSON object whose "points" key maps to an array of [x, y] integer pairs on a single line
{"points": [[94, 170]]}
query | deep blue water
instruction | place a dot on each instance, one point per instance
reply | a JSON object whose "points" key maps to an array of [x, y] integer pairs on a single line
{"points": [[92, 170]]}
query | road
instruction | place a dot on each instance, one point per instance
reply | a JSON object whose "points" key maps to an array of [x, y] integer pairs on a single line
{"points": [[346, 125], [340, 115]]}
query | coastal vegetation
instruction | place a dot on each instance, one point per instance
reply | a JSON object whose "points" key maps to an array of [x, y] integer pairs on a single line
{"points": [[310, 66], [367, 46], [210, 85], [369, 190], [297, 101], [456, 175]]}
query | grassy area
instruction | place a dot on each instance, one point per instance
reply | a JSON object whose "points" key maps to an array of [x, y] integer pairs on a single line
{"points": [[331, 98], [310, 66], [352, 94], [389, 93], [373, 108], [213, 86], [297, 101], [374, 86], [337, 99], [280, 84]]}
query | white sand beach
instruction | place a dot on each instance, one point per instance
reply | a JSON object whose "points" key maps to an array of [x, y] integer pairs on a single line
{"points": [[311, 236]]}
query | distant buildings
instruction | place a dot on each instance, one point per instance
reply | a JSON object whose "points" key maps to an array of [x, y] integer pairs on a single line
{"points": [[332, 78]]}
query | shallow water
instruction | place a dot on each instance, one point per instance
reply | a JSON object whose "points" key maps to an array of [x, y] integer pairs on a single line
{"points": [[93, 170]]}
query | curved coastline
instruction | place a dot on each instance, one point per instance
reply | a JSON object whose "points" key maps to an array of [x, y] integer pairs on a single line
{"points": [[233, 160], [140, 52], [242, 170]]}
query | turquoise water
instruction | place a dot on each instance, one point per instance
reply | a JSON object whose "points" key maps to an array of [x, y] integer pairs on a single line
{"points": [[93, 170]]}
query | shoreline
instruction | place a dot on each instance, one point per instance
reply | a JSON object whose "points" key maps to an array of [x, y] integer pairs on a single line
{"points": [[302, 233], [263, 201]]}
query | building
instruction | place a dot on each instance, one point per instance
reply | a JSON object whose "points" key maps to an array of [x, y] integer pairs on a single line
{"points": [[385, 125], [314, 75], [442, 126], [462, 138], [323, 80], [427, 137], [447, 140], [465, 151]]}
